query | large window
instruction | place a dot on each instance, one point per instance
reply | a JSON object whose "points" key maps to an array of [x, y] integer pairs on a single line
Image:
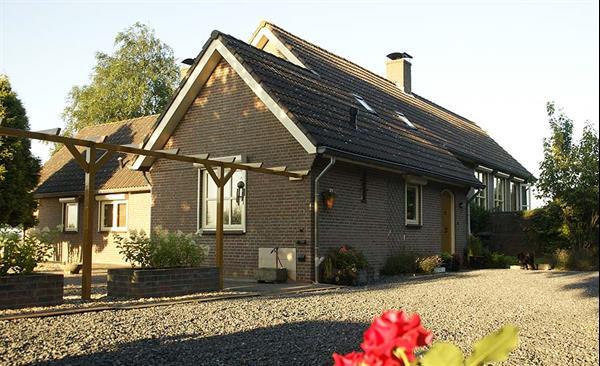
{"points": [[234, 210], [514, 194], [481, 199], [524, 197], [70, 216], [113, 215], [499, 193], [412, 208]]}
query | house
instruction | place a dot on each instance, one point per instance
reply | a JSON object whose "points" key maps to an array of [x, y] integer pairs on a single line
{"points": [[403, 169], [123, 197]]}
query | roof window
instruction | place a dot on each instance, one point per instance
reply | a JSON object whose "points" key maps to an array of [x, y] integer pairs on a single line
{"points": [[404, 119], [364, 103]]}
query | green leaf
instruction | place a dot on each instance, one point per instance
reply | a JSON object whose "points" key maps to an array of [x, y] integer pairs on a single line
{"points": [[494, 347], [442, 353]]}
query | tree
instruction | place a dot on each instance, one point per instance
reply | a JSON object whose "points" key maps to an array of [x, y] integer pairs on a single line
{"points": [[138, 79], [569, 176], [19, 169]]}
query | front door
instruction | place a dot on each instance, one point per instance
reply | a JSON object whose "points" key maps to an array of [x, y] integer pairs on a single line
{"points": [[447, 222]]}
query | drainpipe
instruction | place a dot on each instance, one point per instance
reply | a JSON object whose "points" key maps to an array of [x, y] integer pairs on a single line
{"points": [[316, 208]]}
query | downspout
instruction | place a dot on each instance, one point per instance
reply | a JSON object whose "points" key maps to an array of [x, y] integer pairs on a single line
{"points": [[316, 208]]}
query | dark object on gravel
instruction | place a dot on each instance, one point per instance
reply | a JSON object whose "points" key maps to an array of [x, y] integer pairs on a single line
{"points": [[526, 260]]}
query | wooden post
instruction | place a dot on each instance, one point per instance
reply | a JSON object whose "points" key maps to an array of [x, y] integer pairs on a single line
{"points": [[219, 228], [88, 223]]}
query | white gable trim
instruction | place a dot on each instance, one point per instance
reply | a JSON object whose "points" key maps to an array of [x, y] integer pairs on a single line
{"points": [[260, 39], [200, 74]]}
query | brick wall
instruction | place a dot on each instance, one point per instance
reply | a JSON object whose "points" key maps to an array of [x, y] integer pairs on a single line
{"points": [[40, 289], [104, 249], [377, 225], [227, 119]]}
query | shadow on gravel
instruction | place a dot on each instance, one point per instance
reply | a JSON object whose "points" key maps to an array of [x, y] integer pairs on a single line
{"points": [[587, 284], [306, 343]]}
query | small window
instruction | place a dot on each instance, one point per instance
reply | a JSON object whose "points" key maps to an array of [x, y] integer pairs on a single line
{"points": [[405, 119], [364, 103], [513, 196], [234, 210], [412, 208], [524, 197], [113, 215], [499, 193], [70, 216], [481, 199]]}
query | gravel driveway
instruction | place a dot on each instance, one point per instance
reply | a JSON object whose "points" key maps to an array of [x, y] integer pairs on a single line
{"points": [[557, 313]]}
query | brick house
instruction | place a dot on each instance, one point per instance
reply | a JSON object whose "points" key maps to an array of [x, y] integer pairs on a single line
{"points": [[403, 169]]}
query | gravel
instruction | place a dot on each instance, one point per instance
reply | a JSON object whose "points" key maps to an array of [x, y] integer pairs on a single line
{"points": [[557, 313]]}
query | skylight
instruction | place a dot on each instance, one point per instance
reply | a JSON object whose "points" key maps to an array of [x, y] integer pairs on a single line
{"points": [[364, 103], [404, 119]]}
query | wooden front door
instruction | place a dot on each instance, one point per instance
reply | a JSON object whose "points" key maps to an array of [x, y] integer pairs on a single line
{"points": [[447, 222]]}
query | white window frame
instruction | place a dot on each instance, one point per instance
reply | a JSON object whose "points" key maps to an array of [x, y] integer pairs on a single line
{"points": [[115, 204], [419, 205], [402, 117], [65, 206], [482, 194], [499, 197], [364, 103], [203, 178], [524, 206]]}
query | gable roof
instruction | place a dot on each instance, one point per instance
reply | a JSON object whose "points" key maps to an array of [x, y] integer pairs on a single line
{"points": [[453, 132], [61, 174]]}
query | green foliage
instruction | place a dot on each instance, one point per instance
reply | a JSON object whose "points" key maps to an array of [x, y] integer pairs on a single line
{"points": [[402, 262], [499, 260], [474, 246], [446, 257], [22, 254], [546, 228], [138, 79], [492, 348], [480, 218], [576, 259], [570, 177], [162, 249], [428, 264], [19, 169], [341, 265]]}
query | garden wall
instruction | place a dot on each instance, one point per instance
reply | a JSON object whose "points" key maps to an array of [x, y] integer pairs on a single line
{"points": [[506, 233], [27, 290], [161, 282]]}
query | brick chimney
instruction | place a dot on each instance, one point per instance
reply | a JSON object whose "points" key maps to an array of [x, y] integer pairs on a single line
{"points": [[397, 70]]}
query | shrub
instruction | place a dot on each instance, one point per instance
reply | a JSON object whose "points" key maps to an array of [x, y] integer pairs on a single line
{"points": [[546, 229], [480, 218], [428, 264], [576, 259], [398, 263], [161, 250], [499, 260], [22, 254], [341, 265], [474, 246], [446, 258]]}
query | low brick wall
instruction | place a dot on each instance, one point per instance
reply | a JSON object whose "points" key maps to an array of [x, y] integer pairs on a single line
{"points": [[506, 233], [27, 290], [161, 282]]}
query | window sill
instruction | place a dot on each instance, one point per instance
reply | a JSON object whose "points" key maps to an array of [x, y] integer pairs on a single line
{"points": [[113, 230], [225, 232], [70, 231], [414, 226]]}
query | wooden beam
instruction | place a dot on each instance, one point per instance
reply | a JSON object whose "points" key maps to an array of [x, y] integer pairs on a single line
{"points": [[253, 165], [77, 155], [104, 158], [88, 224], [219, 228], [51, 131], [278, 168]]}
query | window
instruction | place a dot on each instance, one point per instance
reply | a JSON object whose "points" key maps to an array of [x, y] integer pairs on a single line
{"points": [[234, 210], [499, 193], [404, 119], [363, 103], [70, 216], [412, 208], [524, 197], [481, 198], [514, 194], [113, 215]]}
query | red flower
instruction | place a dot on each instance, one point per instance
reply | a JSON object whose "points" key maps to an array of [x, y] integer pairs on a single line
{"points": [[343, 249], [390, 341]]}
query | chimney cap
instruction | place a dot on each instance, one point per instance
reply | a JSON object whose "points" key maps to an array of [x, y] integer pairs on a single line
{"points": [[188, 61], [398, 55]]}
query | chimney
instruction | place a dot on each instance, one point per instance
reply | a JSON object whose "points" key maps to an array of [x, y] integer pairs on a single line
{"points": [[397, 70]]}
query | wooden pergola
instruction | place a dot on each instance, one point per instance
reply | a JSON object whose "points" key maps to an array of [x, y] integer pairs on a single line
{"points": [[220, 171]]}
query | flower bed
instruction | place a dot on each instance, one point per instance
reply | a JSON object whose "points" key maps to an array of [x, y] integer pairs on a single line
{"points": [[161, 282], [27, 290]]}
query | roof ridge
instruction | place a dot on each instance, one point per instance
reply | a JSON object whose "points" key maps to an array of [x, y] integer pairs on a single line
{"points": [[123, 121]]}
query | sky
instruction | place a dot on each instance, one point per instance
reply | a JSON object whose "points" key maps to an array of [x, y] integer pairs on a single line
{"points": [[494, 62]]}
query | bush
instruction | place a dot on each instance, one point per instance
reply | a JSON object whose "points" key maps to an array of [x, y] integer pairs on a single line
{"points": [[576, 259], [474, 246], [499, 260], [400, 263], [161, 250], [22, 254], [480, 218], [341, 266], [428, 264], [546, 229]]}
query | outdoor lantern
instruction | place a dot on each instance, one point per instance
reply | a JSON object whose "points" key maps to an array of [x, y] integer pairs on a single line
{"points": [[241, 192]]}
